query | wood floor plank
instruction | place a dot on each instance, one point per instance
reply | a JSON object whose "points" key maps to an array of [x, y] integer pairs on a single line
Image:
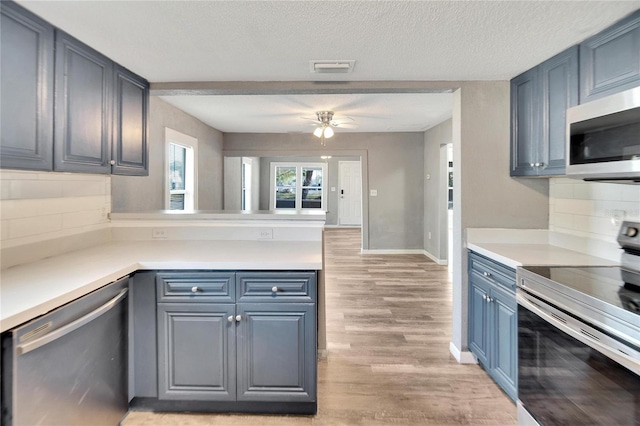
{"points": [[388, 333]]}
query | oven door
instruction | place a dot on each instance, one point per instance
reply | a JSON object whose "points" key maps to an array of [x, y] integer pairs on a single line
{"points": [[570, 373]]}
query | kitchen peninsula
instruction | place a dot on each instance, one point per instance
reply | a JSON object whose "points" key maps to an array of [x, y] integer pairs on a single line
{"points": [[253, 277]]}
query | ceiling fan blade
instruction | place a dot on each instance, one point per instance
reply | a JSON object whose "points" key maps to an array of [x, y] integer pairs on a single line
{"points": [[342, 118], [345, 125], [310, 118]]}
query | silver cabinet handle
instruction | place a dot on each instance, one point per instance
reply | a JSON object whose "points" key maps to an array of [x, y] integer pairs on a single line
{"points": [[487, 274], [484, 297], [230, 318], [194, 289], [531, 165], [489, 300], [238, 318], [64, 330], [112, 162], [274, 289]]}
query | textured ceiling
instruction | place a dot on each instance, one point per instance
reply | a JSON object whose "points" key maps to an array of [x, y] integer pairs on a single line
{"points": [[408, 112], [178, 41]]}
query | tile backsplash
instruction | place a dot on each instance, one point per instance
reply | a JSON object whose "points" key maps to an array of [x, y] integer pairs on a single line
{"points": [[591, 209], [39, 206]]}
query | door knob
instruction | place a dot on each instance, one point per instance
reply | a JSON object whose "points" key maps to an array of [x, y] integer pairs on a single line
{"points": [[230, 318], [238, 318], [194, 289], [274, 289]]}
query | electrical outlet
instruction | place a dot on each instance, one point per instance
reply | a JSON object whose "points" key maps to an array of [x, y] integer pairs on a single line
{"points": [[373, 192], [265, 234], [333, 189], [159, 233]]}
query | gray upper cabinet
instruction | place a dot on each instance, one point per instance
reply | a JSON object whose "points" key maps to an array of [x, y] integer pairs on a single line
{"points": [[610, 60], [84, 84], [130, 112], [66, 107], [559, 91], [26, 83], [539, 100], [524, 123]]}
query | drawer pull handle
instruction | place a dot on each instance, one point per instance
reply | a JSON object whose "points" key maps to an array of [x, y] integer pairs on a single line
{"points": [[484, 297], [230, 318], [238, 318], [487, 274], [194, 289], [274, 289]]}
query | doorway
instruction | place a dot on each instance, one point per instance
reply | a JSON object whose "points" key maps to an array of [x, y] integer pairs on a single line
{"points": [[350, 201]]}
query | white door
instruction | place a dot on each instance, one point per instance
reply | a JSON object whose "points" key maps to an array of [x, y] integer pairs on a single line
{"points": [[350, 205]]}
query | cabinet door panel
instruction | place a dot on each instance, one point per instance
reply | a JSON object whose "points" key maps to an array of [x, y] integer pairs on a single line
{"points": [[276, 352], [524, 123], [130, 150], [478, 332], [559, 83], [196, 352], [26, 84], [610, 60], [504, 340], [83, 91]]}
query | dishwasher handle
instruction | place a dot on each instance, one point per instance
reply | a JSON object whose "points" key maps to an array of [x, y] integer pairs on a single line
{"points": [[66, 329]]}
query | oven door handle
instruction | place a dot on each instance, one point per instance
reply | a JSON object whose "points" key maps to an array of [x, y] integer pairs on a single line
{"points": [[619, 357]]}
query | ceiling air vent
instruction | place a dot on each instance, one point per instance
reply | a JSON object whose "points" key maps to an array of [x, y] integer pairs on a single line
{"points": [[331, 67]]}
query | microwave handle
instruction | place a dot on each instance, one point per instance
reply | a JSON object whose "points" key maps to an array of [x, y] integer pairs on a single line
{"points": [[622, 359]]}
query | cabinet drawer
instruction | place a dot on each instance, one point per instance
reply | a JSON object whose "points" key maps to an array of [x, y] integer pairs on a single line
{"points": [[196, 287], [276, 286], [492, 271]]}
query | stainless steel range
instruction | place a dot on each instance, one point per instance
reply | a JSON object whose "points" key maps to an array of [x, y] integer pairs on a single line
{"points": [[579, 341]]}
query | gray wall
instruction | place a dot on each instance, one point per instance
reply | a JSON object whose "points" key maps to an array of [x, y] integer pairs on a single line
{"points": [[331, 180], [484, 194], [140, 193], [435, 208], [395, 167]]}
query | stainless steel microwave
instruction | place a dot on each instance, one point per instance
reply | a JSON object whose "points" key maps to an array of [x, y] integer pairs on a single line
{"points": [[603, 138]]}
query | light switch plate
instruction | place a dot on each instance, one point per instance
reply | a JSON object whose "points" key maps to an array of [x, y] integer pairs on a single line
{"points": [[333, 189], [265, 234]]}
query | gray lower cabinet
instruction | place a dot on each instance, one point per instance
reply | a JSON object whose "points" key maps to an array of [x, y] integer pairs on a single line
{"points": [[610, 60], [493, 320], [276, 352], [26, 84], [196, 351], [236, 337], [539, 101]]}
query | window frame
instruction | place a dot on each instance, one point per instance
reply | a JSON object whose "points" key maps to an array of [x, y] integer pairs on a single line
{"points": [[191, 169], [298, 198]]}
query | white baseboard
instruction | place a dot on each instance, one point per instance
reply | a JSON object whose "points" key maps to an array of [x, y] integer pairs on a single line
{"points": [[394, 251], [435, 259], [343, 226], [405, 251], [463, 357]]}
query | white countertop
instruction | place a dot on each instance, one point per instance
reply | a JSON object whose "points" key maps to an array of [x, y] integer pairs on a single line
{"points": [[519, 254], [224, 215], [30, 290]]}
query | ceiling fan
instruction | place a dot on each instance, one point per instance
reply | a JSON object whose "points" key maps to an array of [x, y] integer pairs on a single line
{"points": [[325, 122]]}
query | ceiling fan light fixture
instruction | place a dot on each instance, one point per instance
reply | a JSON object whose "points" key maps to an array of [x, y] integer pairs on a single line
{"points": [[328, 132], [318, 132]]}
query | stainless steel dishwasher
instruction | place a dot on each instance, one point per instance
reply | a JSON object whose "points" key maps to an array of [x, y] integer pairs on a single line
{"points": [[69, 367]]}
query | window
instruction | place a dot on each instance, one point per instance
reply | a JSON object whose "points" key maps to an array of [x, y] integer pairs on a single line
{"points": [[181, 177], [297, 186]]}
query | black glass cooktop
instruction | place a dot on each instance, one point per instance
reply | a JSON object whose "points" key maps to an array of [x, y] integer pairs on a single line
{"points": [[612, 284]]}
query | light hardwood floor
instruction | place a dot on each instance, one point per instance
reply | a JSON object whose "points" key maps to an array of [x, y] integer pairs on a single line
{"points": [[388, 334]]}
